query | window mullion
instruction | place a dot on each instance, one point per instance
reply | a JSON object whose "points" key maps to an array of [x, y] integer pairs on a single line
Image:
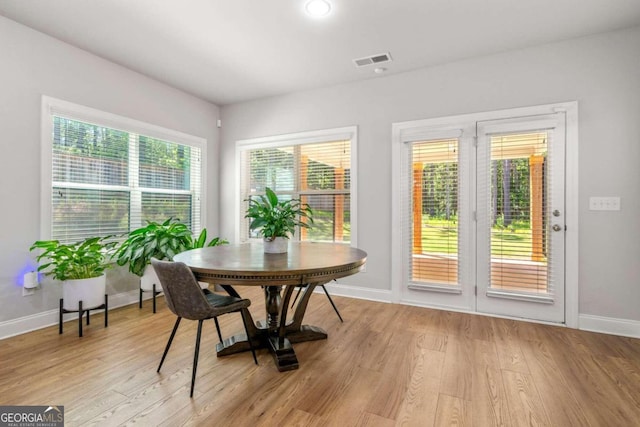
{"points": [[135, 206], [195, 172], [297, 182]]}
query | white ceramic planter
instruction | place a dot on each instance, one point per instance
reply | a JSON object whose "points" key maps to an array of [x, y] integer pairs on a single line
{"points": [[149, 278], [278, 245], [89, 291]]}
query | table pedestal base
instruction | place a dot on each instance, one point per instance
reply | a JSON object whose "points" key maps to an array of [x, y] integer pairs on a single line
{"points": [[278, 337], [283, 353]]}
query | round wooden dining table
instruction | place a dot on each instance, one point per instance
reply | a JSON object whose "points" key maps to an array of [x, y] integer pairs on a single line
{"points": [[305, 265]]}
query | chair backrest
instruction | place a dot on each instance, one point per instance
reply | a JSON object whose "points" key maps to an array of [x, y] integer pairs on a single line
{"points": [[183, 295]]}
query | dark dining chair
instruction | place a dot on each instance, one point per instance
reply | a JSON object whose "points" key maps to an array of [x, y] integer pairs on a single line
{"points": [[185, 298], [328, 296]]}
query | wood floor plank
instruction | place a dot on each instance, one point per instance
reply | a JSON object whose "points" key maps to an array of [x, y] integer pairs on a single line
{"points": [[489, 402], [523, 399], [368, 419], [396, 374], [387, 364], [294, 418], [79, 411], [421, 400], [557, 396], [457, 371], [598, 396], [507, 344], [453, 411]]}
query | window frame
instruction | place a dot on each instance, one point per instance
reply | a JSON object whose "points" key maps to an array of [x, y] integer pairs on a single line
{"points": [[349, 133], [51, 107]]}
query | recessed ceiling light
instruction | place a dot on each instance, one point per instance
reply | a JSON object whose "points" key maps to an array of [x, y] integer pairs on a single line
{"points": [[317, 8]]}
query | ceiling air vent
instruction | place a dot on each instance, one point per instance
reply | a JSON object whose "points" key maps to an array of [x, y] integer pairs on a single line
{"points": [[374, 59]]}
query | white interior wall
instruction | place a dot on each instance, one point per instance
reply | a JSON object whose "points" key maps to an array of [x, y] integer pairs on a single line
{"points": [[601, 72], [33, 65]]}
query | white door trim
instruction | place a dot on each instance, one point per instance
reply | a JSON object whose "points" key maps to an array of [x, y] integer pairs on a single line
{"points": [[401, 129]]}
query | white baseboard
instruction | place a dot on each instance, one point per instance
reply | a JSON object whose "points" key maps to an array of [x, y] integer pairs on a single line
{"points": [[9, 328], [609, 325], [606, 325], [30, 323], [380, 295]]}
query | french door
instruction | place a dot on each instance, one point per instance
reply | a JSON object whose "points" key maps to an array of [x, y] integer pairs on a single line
{"points": [[483, 208], [520, 217]]}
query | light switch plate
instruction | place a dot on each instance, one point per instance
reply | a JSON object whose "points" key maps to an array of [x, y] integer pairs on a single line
{"points": [[604, 203]]}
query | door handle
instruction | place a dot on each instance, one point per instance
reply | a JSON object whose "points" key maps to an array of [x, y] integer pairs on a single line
{"points": [[556, 227]]}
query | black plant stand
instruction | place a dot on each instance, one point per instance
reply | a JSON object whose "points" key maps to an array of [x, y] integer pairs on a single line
{"points": [[155, 293], [81, 311]]}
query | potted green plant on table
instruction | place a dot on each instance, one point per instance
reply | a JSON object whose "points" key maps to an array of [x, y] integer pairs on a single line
{"points": [[79, 266], [276, 220]]}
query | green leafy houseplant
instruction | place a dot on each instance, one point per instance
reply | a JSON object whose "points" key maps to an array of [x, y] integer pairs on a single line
{"points": [[155, 240], [159, 240], [81, 260], [201, 241], [277, 218]]}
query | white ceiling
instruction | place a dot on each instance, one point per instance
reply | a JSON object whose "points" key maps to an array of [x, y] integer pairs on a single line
{"points": [[227, 51]]}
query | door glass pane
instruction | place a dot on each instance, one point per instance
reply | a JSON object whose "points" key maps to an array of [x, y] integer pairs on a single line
{"points": [[518, 212], [435, 212]]}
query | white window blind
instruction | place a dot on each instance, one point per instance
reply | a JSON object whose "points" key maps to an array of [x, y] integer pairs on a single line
{"points": [[107, 180], [433, 208], [518, 212], [319, 173]]}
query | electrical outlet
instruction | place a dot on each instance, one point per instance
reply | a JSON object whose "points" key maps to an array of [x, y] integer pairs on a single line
{"points": [[604, 203], [26, 292]]}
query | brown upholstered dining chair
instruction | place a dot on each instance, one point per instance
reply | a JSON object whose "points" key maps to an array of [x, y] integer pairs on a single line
{"points": [[186, 299]]}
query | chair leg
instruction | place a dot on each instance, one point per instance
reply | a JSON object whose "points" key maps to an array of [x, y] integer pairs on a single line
{"points": [[215, 319], [296, 297], [166, 349], [79, 318], [331, 301], [195, 357], [154, 298], [60, 317], [106, 310], [253, 350]]}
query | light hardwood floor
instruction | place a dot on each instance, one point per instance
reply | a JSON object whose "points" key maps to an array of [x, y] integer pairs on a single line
{"points": [[386, 365]]}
